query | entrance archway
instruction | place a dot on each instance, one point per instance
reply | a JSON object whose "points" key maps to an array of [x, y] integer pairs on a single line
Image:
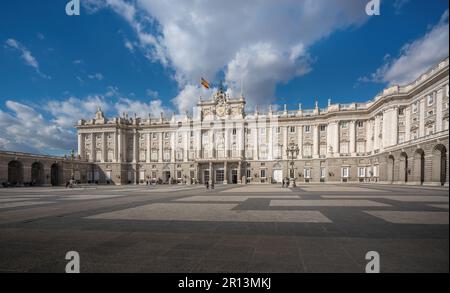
{"points": [[439, 164], [403, 173], [54, 174], [419, 166], [15, 173], [37, 173], [390, 169]]}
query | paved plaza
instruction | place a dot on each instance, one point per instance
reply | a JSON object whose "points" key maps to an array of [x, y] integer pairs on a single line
{"points": [[233, 228]]}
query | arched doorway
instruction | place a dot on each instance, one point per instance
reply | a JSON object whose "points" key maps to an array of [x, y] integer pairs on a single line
{"points": [[419, 166], [277, 173], [403, 173], [54, 175], [439, 166], [37, 173], [390, 169], [15, 173]]}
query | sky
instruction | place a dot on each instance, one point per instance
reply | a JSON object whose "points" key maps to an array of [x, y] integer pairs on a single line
{"points": [[147, 57]]}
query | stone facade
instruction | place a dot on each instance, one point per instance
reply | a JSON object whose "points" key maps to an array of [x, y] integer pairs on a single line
{"points": [[21, 169], [401, 137]]}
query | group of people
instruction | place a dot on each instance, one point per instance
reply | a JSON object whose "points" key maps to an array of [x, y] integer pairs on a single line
{"points": [[285, 182]]}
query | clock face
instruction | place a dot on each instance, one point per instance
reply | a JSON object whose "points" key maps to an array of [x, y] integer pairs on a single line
{"points": [[220, 111]]}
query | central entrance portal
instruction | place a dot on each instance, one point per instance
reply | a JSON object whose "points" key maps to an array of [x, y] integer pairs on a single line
{"points": [[278, 176], [220, 176], [206, 176], [234, 177]]}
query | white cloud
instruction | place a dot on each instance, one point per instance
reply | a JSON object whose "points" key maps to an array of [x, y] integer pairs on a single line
{"points": [[189, 96], [97, 76], [197, 39], [25, 129], [141, 109], [26, 55], [415, 57], [66, 113]]}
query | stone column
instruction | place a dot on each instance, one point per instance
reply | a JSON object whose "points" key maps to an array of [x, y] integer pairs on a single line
{"points": [[239, 172], [198, 146], [376, 136], [119, 157], [422, 118], [255, 143], [369, 134], [438, 101], [211, 144], [149, 143], [227, 143], [135, 159], [352, 134], [225, 171], [285, 142], [407, 124], [300, 142], [81, 145], [93, 148], [211, 174], [270, 157], [315, 141], [187, 139], [173, 148], [104, 147], [161, 146]]}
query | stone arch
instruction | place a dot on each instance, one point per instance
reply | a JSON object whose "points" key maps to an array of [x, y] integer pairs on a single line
{"points": [[390, 168], [404, 168], [37, 173], [15, 172], [54, 174], [439, 165], [419, 166]]}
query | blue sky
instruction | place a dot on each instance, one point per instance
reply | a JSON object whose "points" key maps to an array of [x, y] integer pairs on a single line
{"points": [[146, 56]]}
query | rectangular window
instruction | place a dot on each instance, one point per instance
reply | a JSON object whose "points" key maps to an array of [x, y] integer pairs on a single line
{"points": [[430, 100], [345, 172], [344, 124], [361, 147], [323, 128], [307, 172], [361, 172], [375, 171], [179, 174], [154, 175], [278, 129], [414, 107], [307, 151], [307, 128], [234, 131], [263, 173], [360, 124], [323, 173], [292, 129], [344, 148]]}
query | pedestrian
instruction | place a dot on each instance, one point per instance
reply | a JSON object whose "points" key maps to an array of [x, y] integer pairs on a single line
{"points": [[207, 185]]}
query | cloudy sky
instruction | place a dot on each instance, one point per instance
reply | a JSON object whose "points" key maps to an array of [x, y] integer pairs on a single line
{"points": [[147, 57]]}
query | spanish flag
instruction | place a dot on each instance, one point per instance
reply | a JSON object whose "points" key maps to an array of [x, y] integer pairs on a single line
{"points": [[205, 83]]}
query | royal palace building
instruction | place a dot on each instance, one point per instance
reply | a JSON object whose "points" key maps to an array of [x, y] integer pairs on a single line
{"points": [[399, 137]]}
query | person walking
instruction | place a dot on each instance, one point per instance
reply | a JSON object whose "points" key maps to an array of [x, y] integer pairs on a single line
{"points": [[207, 185]]}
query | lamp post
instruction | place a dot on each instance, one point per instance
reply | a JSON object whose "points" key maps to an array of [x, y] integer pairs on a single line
{"points": [[292, 151]]}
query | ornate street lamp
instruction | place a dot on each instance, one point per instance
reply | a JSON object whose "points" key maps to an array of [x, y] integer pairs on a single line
{"points": [[292, 152]]}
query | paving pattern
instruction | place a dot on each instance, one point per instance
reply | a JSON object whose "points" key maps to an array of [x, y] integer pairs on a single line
{"points": [[233, 228]]}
